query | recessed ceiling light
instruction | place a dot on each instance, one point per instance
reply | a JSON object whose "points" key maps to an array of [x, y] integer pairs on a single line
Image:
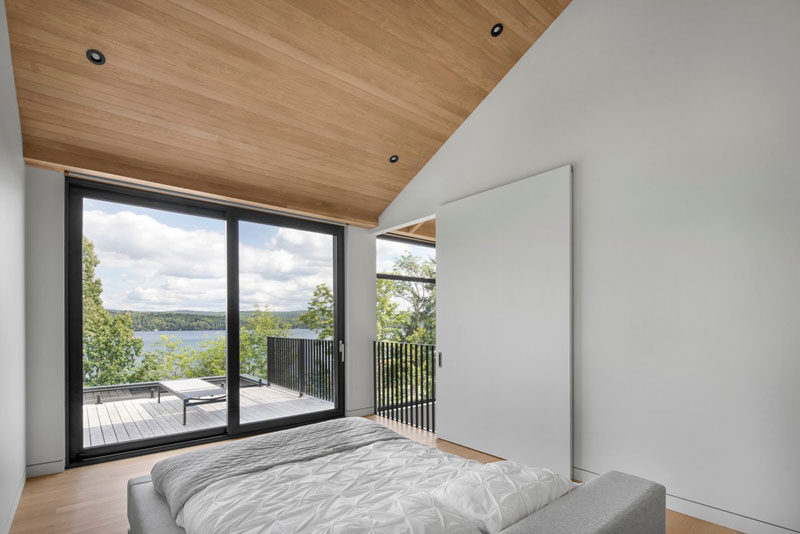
{"points": [[95, 56], [393, 158], [497, 29]]}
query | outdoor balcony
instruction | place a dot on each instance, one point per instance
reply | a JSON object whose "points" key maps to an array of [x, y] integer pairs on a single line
{"points": [[299, 380]]}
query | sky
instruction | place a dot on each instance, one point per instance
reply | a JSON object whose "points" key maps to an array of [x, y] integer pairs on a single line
{"points": [[389, 250], [154, 260]]}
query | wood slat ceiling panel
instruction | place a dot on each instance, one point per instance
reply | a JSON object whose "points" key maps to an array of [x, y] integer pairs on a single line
{"points": [[425, 230], [290, 104]]}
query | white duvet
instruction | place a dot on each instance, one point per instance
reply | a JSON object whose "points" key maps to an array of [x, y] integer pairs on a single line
{"points": [[389, 486]]}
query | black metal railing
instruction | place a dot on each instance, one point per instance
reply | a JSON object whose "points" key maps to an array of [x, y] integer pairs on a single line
{"points": [[306, 366], [405, 383], [303, 365]]}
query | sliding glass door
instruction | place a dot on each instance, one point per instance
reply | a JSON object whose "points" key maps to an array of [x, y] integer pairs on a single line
{"points": [[190, 320], [153, 305], [287, 349]]}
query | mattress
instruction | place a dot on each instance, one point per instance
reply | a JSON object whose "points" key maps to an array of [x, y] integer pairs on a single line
{"points": [[376, 484], [382, 487]]}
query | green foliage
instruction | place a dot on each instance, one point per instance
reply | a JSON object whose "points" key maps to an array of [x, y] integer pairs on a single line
{"points": [[388, 327], [259, 326], [406, 311], [170, 359], [92, 286], [319, 316], [110, 350], [415, 320], [154, 321], [147, 321]]}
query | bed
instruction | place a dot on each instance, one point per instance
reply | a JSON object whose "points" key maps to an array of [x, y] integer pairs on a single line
{"points": [[354, 475]]}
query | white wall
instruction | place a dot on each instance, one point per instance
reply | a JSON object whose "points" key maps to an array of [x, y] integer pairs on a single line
{"points": [[44, 259], [360, 320], [12, 290], [681, 120]]}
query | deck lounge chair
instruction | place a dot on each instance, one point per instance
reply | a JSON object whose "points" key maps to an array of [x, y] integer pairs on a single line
{"points": [[192, 391]]}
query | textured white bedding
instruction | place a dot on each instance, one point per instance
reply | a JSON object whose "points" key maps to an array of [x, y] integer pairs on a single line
{"points": [[499, 494], [383, 487], [380, 488]]}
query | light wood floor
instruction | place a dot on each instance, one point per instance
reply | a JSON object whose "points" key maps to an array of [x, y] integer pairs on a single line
{"points": [[92, 499]]}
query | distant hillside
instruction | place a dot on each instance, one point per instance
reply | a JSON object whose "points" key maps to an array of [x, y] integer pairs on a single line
{"points": [[144, 321]]}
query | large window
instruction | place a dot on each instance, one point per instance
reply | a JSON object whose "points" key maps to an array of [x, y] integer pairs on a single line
{"points": [[406, 291], [405, 369], [190, 320], [153, 305]]}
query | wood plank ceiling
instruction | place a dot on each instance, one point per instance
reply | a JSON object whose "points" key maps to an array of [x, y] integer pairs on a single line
{"points": [[295, 105], [425, 230]]}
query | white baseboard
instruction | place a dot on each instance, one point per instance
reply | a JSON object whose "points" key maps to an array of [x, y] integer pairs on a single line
{"points": [[44, 468], [704, 511], [5, 526], [358, 412]]}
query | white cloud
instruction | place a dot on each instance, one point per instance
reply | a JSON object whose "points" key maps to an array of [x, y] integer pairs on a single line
{"points": [[388, 250], [148, 265]]}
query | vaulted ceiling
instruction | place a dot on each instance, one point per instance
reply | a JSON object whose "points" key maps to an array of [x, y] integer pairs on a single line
{"points": [[294, 104]]}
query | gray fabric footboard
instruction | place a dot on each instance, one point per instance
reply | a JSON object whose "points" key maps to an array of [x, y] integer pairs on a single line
{"points": [[612, 503], [148, 512]]}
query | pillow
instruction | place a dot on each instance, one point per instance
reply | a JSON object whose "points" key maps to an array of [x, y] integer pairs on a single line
{"points": [[499, 494]]}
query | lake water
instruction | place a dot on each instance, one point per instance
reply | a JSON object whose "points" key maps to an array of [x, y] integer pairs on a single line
{"points": [[192, 338]]}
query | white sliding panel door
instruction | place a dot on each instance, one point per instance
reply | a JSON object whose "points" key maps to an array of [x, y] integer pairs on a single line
{"points": [[504, 325]]}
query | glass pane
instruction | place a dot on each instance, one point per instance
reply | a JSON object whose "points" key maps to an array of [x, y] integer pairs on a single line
{"points": [[397, 257], [154, 300], [287, 354], [406, 310]]}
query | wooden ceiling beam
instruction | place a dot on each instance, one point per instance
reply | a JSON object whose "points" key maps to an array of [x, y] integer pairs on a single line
{"points": [[422, 230]]}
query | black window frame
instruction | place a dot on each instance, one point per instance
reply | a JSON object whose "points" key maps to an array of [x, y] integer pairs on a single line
{"points": [[78, 189]]}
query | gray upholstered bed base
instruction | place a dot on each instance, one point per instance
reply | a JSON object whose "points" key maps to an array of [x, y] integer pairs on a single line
{"points": [[612, 503], [148, 512]]}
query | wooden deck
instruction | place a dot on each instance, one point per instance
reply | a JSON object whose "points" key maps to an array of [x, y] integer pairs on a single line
{"points": [[139, 418]]}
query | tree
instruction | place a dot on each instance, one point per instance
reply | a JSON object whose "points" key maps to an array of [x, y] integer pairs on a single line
{"points": [[415, 321], [170, 360], [319, 316], [110, 350], [388, 327], [419, 323], [259, 326]]}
